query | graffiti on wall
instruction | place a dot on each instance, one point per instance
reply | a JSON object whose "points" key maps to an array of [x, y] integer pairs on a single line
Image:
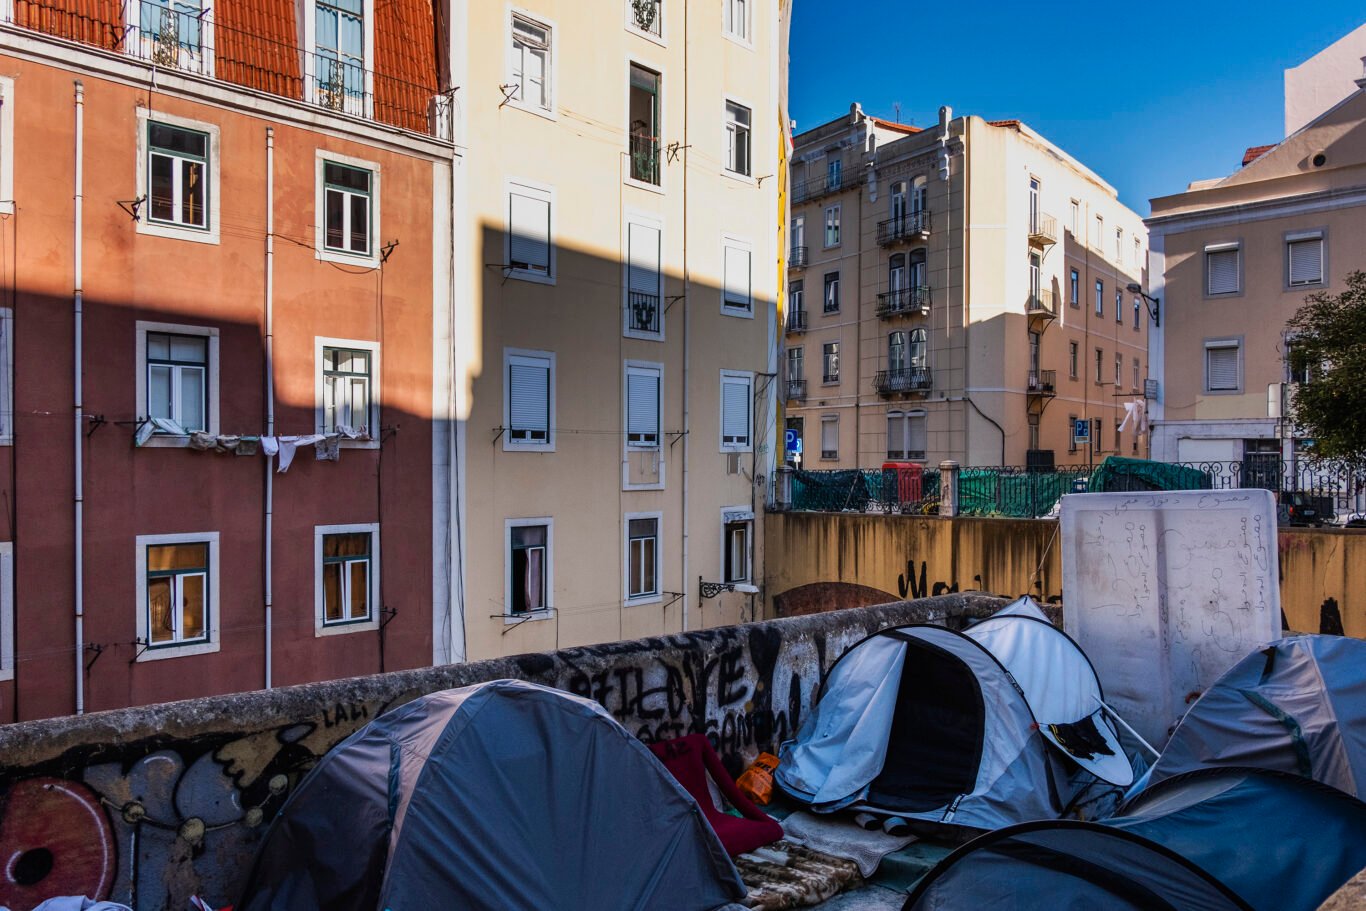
{"points": [[911, 585]]}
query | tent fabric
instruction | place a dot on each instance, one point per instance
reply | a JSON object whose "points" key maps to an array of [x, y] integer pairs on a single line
{"points": [[1118, 474], [693, 761], [501, 796], [1297, 706], [1200, 842], [932, 724]]}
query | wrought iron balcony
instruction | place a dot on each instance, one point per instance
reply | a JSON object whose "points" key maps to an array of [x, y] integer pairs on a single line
{"points": [[799, 258], [1043, 230], [1042, 303], [796, 390], [645, 15], [644, 315], [911, 226], [796, 321], [823, 185], [1042, 382], [903, 379], [903, 302], [645, 158]]}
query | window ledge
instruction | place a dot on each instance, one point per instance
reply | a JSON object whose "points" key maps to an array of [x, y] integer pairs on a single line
{"points": [[350, 259], [745, 43], [545, 113], [7, 208], [166, 441], [645, 185], [341, 629], [738, 312], [195, 235], [522, 275], [644, 336], [648, 36], [529, 617], [644, 600], [162, 652], [737, 176]]}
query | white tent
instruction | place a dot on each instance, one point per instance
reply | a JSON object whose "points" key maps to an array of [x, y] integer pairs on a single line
{"points": [[966, 728]]}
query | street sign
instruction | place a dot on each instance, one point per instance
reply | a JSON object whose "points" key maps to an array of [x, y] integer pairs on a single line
{"points": [[791, 437], [1150, 389], [796, 446], [1081, 430]]}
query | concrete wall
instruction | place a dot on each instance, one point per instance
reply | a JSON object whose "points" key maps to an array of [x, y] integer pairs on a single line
{"points": [[149, 806], [826, 562]]}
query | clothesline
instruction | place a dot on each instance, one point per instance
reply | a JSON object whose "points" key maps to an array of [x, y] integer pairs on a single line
{"points": [[326, 446]]}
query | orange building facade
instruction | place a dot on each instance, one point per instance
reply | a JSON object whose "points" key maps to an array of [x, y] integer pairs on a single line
{"points": [[226, 237]]}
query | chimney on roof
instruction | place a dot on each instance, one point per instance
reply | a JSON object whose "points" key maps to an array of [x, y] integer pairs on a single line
{"points": [[855, 112], [1361, 80]]}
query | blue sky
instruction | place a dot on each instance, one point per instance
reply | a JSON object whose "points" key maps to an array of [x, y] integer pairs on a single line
{"points": [[1151, 95]]}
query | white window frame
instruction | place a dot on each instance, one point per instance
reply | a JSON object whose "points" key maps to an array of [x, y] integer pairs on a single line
{"points": [[1235, 247], [745, 39], [729, 242], [747, 174], [321, 626], [372, 419], [827, 228], [7, 103], [214, 608], [7, 376], [653, 67], [1100, 297], [548, 611], [509, 444], [7, 662], [657, 595], [661, 20], [644, 221], [1234, 342], [320, 209], [545, 193], [733, 376], [738, 515], [1303, 237], [834, 420], [145, 225], [1073, 359], [633, 451], [535, 20], [311, 92], [141, 45], [166, 440], [828, 378]]}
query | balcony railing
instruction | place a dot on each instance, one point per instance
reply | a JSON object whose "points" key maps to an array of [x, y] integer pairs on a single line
{"points": [[799, 258], [911, 226], [199, 44], [1043, 230], [822, 185], [903, 301], [1042, 382], [644, 315], [1042, 303], [796, 390], [796, 321], [646, 16], [903, 379], [645, 158]]}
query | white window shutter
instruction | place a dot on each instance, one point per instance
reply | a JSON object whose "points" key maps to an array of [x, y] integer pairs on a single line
{"points": [[830, 435], [643, 260], [529, 227], [737, 279], [1223, 271], [896, 435], [735, 412], [529, 400], [1306, 262], [642, 408], [1222, 367], [915, 436]]}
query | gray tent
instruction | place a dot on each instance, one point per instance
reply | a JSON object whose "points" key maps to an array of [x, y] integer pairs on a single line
{"points": [[968, 729], [1298, 706], [502, 796]]}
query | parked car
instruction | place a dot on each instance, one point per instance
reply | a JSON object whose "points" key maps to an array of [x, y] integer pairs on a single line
{"points": [[1305, 509]]}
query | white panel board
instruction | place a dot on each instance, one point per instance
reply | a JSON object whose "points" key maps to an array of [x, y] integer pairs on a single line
{"points": [[1165, 591]]}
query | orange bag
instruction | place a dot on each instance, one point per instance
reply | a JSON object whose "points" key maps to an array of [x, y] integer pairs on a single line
{"points": [[756, 782]]}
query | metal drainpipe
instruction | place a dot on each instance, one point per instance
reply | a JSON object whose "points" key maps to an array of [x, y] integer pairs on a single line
{"points": [[687, 326], [270, 393], [79, 408]]}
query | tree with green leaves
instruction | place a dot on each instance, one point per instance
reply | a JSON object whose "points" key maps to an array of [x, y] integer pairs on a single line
{"points": [[1328, 349]]}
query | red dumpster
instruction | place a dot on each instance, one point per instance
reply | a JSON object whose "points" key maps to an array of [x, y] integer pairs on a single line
{"points": [[906, 489]]}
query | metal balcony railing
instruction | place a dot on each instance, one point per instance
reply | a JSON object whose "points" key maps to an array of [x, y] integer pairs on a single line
{"points": [[822, 185], [796, 390], [645, 158], [1043, 230], [1042, 303], [799, 258], [644, 315], [911, 226], [1042, 382], [904, 301], [903, 379], [796, 321], [195, 42], [645, 15]]}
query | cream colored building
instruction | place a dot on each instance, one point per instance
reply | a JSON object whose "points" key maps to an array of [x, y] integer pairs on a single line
{"points": [[958, 292], [1234, 258], [616, 350]]}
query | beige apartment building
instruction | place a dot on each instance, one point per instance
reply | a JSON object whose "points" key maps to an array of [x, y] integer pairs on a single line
{"points": [[1234, 258], [958, 292], [616, 391]]}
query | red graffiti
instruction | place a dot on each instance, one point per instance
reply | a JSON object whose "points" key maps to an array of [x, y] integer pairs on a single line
{"points": [[54, 840]]}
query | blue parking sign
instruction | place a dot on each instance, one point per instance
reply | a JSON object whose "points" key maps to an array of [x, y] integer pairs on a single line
{"points": [[1081, 430], [791, 437]]}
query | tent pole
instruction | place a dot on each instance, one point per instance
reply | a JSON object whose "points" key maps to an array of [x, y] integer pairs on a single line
{"points": [[1132, 733]]}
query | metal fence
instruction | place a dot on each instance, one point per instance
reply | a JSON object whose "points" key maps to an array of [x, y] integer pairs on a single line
{"points": [[1309, 493]]}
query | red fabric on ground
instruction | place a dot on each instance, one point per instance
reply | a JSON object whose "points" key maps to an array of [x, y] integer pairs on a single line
{"points": [[691, 759]]}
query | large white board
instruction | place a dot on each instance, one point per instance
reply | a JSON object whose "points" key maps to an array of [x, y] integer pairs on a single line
{"points": [[1165, 591]]}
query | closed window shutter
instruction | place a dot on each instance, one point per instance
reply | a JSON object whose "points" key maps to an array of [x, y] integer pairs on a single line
{"points": [[644, 259], [529, 222], [1306, 262], [830, 436], [737, 277], [1223, 271], [642, 409], [529, 401], [915, 436], [1222, 367], [896, 435], [735, 412]]}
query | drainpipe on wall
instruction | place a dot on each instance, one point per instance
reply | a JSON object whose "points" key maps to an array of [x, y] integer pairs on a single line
{"points": [[79, 409], [270, 391], [686, 322]]}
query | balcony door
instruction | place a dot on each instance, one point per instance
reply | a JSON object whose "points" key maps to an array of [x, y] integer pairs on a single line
{"points": [[896, 276], [896, 353], [898, 212], [918, 349]]}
